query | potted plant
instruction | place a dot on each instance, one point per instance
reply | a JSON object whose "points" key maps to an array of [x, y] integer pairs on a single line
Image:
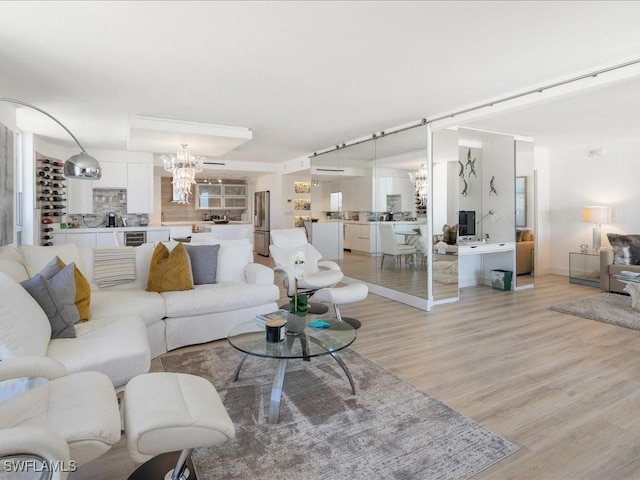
{"points": [[298, 308]]}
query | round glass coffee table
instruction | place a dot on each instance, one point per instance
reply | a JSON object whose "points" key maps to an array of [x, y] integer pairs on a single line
{"points": [[250, 339]]}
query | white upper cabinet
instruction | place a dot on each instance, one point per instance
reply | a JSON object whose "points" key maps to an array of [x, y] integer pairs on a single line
{"points": [[114, 175], [79, 196], [139, 188]]}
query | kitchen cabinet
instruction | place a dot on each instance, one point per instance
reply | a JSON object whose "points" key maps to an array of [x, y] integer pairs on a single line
{"points": [[209, 197], [79, 196], [139, 188], [106, 237], [114, 175], [137, 178]]}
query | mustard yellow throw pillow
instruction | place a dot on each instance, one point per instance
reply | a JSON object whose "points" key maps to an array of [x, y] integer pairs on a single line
{"points": [[83, 292], [169, 271]]}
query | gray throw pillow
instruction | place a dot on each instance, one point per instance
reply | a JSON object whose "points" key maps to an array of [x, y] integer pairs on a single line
{"points": [[204, 263], [60, 316], [626, 248]]}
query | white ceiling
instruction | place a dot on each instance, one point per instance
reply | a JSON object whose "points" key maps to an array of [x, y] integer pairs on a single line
{"points": [[304, 76]]}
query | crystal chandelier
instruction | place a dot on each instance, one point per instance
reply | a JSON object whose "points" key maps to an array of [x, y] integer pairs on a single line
{"points": [[184, 168], [419, 179]]}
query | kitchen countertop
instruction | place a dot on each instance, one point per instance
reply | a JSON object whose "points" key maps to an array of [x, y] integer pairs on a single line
{"points": [[201, 222], [107, 230]]}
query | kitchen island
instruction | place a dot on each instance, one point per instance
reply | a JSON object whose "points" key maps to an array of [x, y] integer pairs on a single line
{"points": [[107, 237]]}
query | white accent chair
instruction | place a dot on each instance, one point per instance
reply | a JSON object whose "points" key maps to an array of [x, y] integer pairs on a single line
{"points": [[390, 246], [355, 292], [289, 245], [69, 418]]}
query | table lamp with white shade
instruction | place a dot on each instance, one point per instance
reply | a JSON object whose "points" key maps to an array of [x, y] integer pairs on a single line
{"points": [[597, 215]]}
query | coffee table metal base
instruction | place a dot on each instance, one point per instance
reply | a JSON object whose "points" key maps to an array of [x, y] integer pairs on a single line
{"points": [[281, 370]]}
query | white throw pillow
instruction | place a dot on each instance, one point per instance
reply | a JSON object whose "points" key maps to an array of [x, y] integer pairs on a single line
{"points": [[232, 261], [36, 257], [24, 325]]}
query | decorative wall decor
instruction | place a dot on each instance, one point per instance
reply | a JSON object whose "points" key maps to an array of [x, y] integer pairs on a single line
{"points": [[6, 186], [465, 190], [492, 188], [461, 171]]}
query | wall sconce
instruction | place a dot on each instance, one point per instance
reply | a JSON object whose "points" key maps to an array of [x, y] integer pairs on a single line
{"points": [[596, 215]]}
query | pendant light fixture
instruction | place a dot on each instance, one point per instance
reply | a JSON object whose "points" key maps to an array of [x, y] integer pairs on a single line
{"points": [[183, 167]]}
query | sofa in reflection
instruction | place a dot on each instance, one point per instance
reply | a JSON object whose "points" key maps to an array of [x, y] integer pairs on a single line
{"points": [[524, 252]]}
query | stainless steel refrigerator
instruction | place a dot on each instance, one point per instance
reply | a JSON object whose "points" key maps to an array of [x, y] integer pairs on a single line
{"points": [[261, 223]]}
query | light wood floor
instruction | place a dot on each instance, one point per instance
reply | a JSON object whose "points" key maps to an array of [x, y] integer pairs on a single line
{"points": [[565, 389]]}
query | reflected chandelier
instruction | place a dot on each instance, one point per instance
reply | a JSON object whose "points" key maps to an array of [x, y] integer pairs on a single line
{"points": [[184, 168], [419, 179]]}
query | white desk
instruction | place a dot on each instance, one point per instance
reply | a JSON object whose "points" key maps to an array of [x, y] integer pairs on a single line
{"points": [[476, 260]]}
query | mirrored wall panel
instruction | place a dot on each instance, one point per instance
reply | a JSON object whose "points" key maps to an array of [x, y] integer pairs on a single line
{"points": [[381, 215]]}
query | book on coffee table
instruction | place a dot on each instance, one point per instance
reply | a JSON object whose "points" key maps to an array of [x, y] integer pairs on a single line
{"points": [[278, 314]]}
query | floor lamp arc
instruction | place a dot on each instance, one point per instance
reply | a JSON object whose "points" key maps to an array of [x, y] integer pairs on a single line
{"points": [[82, 165]]}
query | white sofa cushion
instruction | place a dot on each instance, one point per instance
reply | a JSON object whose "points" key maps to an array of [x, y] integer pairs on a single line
{"points": [[112, 302], [232, 259], [12, 263], [117, 347], [221, 297], [37, 257], [24, 325]]}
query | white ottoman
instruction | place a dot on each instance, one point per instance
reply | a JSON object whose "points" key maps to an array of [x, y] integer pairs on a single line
{"points": [[168, 412], [355, 292]]}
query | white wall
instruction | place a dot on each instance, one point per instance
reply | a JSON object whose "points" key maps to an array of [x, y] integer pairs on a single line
{"points": [[543, 229], [577, 180]]}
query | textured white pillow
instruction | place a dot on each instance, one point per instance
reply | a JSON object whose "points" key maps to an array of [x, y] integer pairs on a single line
{"points": [[37, 257], [232, 261], [24, 325]]}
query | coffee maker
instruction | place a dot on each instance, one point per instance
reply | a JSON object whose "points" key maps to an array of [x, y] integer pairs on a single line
{"points": [[111, 219]]}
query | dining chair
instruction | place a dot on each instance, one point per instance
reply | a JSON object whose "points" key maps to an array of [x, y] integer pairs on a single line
{"points": [[390, 246]]}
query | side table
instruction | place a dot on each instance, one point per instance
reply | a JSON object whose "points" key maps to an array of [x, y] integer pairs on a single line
{"points": [[584, 268]]}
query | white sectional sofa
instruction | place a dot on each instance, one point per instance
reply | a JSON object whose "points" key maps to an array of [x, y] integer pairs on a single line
{"points": [[129, 325]]}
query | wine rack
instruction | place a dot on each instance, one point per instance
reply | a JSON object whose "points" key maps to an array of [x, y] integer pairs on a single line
{"points": [[51, 196]]}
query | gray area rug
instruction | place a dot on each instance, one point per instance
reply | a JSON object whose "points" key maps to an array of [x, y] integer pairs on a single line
{"points": [[607, 308], [388, 430]]}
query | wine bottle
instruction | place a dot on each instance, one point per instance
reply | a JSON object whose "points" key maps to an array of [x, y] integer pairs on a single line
{"points": [[57, 177], [48, 229], [43, 183], [57, 207], [48, 244], [42, 198], [44, 174], [47, 237], [57, 199], [57, 185], [47, 220]]}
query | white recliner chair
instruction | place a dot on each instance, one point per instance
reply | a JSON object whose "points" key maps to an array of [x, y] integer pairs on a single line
{"points": [[301, 265], [59, 425]]}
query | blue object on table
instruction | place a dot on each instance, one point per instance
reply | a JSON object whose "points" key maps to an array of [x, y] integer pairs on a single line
{"points": [[319, 324]]}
